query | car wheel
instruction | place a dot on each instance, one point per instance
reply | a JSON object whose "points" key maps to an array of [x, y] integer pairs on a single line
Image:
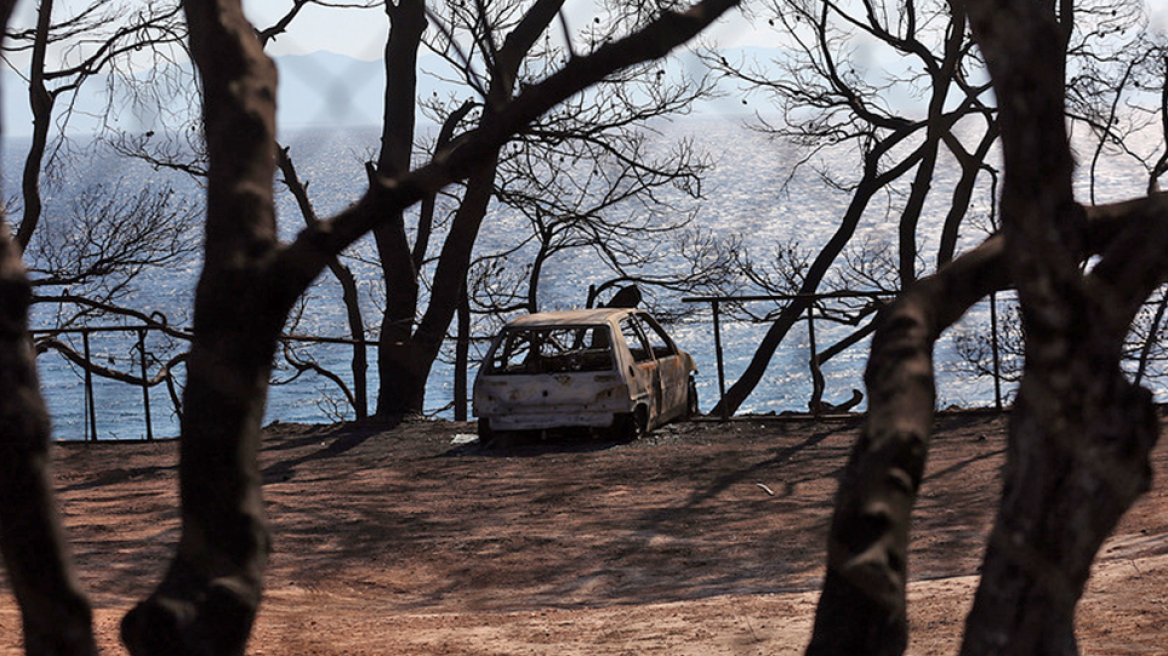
{"points": [[641, 419], [486, 435], [691, 400], [629, 427]]}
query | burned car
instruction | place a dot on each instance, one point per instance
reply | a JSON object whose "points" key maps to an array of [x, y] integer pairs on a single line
{"points": [[609, 369]]}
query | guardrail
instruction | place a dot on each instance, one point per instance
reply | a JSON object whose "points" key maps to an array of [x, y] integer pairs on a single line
{"points": [[716, 302], [814, 355], [86, 361]]}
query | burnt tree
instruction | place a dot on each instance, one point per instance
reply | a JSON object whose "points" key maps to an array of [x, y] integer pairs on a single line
{"points": [[551, 170], [1080, 433], [831, 99], [208, 599]]}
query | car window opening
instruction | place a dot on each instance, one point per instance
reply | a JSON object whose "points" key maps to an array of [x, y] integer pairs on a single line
{"points": [[553, 350]]}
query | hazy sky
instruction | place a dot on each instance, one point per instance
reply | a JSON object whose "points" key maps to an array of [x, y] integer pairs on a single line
{"points": [[364, 30], [361, 33]]}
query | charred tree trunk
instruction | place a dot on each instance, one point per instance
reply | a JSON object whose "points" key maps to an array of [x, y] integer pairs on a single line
{"points": [[41, 103], [537, 263], [359, 364], [462, 357], [398, 365], [862, 607], [207, 602], [398, 369], [406, 360], [54, 611], [972, 165], [1080, 434]]}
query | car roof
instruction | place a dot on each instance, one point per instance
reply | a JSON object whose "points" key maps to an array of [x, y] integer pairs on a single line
{"points": [[571, 317]]}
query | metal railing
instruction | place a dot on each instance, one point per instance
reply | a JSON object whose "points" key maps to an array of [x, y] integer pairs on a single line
{"points": [[85, 360], [716, 302]]}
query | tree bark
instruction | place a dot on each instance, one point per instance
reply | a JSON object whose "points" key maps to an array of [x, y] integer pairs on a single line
{"points": [[405, 359], [1081, 432], [55, 613], [862, 607], [207, 602]]}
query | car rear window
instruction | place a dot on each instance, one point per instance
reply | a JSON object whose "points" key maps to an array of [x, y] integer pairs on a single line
{"points": [[552, 350]]}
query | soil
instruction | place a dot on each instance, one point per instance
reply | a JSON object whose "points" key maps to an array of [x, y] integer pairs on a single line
{"points": [[704, 538]]}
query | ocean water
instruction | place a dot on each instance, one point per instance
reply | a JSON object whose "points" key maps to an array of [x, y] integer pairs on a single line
{"points": [[750, 195]]}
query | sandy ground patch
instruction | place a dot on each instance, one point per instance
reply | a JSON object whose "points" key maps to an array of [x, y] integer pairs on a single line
{"points": [[705, 538]]}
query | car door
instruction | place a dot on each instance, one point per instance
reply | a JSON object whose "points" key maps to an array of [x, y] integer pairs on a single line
{"points": [[672, 376], [643, 379]]}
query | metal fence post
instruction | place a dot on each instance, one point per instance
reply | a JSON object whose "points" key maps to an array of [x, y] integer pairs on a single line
{"points": [[994, 349], [90, 405], [145, 384], [817, 383], [721, 364]]}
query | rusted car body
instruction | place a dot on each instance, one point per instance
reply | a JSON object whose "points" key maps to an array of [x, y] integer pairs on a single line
{"points": [[608, 369]]}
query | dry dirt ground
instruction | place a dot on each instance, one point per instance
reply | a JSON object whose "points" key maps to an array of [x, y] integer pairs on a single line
{"points": [[705, 538]]}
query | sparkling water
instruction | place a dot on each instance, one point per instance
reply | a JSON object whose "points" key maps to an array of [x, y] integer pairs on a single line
{"points": [[750, 194]]}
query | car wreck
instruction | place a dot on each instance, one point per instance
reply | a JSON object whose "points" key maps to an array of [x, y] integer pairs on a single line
{"points": [[613, 370]]}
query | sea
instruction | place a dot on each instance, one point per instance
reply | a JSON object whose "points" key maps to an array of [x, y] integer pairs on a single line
{"points": [[760, 197]]}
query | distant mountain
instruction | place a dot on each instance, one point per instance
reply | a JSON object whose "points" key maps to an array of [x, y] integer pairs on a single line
{"points": [[329, 89], [317, 90], [325, 88], [320, 89]]}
